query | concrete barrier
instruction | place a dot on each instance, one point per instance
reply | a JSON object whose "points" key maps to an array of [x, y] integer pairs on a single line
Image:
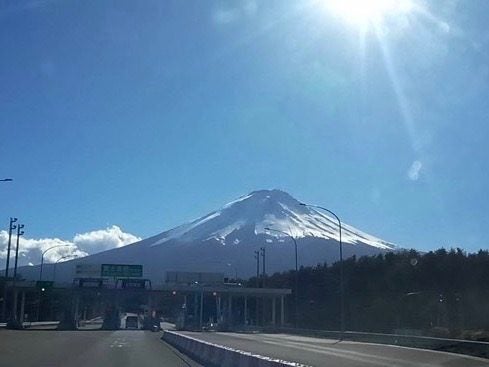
{"points": [[215, 355]]}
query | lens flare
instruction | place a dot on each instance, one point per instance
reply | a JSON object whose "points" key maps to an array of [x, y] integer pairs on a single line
{"points": [[367, 12]]}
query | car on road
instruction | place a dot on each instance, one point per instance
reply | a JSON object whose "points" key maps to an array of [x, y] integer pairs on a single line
{"points": [[131, 321]]}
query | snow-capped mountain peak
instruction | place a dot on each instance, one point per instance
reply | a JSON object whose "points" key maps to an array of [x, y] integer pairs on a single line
{"points": [[266, 208]]}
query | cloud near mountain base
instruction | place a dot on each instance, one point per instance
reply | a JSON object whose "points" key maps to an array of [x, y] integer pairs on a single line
{"points": [[82, 244]]}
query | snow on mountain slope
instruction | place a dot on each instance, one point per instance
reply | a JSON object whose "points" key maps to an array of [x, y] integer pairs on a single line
{"points": [[226, 239], [268, 208]]}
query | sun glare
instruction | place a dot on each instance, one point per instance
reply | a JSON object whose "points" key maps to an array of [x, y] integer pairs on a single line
{"points": [[363, 13]]}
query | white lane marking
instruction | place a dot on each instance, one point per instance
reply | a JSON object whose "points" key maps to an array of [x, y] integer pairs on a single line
{"points": [[352, 355], [364, 358], [447, 356], [119, 343]]}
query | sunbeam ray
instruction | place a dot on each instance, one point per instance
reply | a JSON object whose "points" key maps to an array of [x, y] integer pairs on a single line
{"points": [[404, 108]]}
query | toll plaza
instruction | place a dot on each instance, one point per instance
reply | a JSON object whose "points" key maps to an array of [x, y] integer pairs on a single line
{"points": [[191, 300]]}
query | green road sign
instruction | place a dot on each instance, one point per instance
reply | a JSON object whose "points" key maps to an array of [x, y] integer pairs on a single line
{"points": [[122, 271]]}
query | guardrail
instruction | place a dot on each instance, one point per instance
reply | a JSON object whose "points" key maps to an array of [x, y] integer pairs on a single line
{"points": [[214, 355], [470, 347]]}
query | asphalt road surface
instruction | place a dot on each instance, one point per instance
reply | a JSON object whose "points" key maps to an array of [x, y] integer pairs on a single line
{"points": [[327, 352], [122, 348]]}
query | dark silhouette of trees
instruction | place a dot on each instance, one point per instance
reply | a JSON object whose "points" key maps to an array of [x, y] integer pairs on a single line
{"points": [[442, 293]]}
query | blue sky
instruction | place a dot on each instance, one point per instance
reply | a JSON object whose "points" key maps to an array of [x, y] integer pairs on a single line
{"points": [[148, 114]]}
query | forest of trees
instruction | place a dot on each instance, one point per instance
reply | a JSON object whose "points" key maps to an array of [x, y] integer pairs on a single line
{"points": [[440, 293]]}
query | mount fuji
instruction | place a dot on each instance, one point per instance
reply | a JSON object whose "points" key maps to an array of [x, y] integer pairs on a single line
{"points": [[225, 240]]}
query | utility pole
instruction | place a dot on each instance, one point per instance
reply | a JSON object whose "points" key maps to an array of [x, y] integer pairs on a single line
{"points": [[201, 310], [12, 226], [262, 250], [14, 303], [257, 257], [19, 233]]}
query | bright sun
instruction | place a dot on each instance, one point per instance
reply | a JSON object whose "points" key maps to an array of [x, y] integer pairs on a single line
{"points": [[363, 13]]}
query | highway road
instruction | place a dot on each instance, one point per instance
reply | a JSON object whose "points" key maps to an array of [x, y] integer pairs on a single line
{"points": [[122, 348], [327, 352]]}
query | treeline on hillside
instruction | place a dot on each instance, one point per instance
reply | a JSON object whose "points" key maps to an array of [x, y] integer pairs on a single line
{"points": [[442, 293]]}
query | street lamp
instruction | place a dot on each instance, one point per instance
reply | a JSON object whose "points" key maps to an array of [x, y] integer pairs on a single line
{"points": [[42, 257], [40, 278], [6, 180], [296, 291], [342, 287], [57, 261]]}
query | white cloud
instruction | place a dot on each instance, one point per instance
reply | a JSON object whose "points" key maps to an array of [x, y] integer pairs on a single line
{"points": [[82, 244], [414, 170], [104, 239]]}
